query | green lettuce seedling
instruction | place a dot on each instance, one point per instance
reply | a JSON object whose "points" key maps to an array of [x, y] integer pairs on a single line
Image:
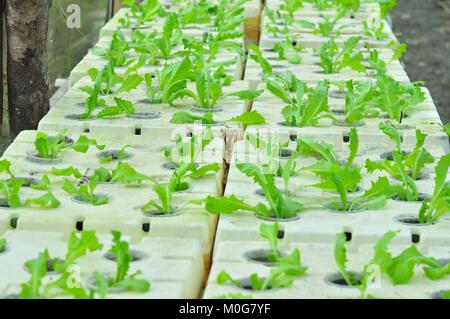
{"points": [[289, 50], [286, 270], [172, 78], [310, 110], [334, 175], [122, 107], [404, 166], [280, 204], [165, 196], [85, 192], [334, 59], [122, 279], [357, 98], [179, 180], [374, 29], [3, 243], [116, 53], [53, 146], [399, 269], [439, 204], [246, 118], [396, 99], [35, 288]]}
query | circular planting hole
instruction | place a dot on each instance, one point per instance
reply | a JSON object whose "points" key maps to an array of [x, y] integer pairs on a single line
{"points": [[136, 255], [285, 153], [35, 158], [149, 115], [170, 166], [337, 280], [410, 220], [206, 110], [261, 256], [259, 192], [444, 261], [157, 213], [246, 284], [4, 203], [79, 200], [115, 155], [390, 157], [421, 198], [336, 207], [438, 294], [337, 112], [92, 284], [343, 123], [27, 181], [77, 117], [273, 218]]}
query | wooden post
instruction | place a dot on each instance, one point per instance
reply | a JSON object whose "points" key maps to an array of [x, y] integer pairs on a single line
{"points": [[118, 4], [27, 35]]}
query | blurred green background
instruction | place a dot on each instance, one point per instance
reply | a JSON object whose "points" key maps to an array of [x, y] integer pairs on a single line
{"points": [[68, 46]]}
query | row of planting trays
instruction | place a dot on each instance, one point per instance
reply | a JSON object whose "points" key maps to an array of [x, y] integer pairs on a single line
{"points": [[343, 192], [105, 199]]}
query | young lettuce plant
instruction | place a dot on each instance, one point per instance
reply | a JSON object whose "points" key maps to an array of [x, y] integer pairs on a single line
{"points": [[190, 150], [374, 29], [3, 243], [122, 107], [289, 50], [85, 192], [285, 86], [10, 189], [356, 100], [142, 12], [107, 82], [171, 79], [208, 91], [35, 288], [178, 181], [246, 118], [396, 99], [327, 27], [165, 196], [259, 58], [307, 111], [399, 269], [286, 268], [335, 176], [116, 53], [401, 165], [334, 59], [52, 147], [439, 203], [374, 198], [122, 279], [170, 38], [281, 205]]}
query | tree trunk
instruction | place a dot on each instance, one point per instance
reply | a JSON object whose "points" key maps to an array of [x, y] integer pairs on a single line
{"points": [[28, 91], [2, 10]]}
